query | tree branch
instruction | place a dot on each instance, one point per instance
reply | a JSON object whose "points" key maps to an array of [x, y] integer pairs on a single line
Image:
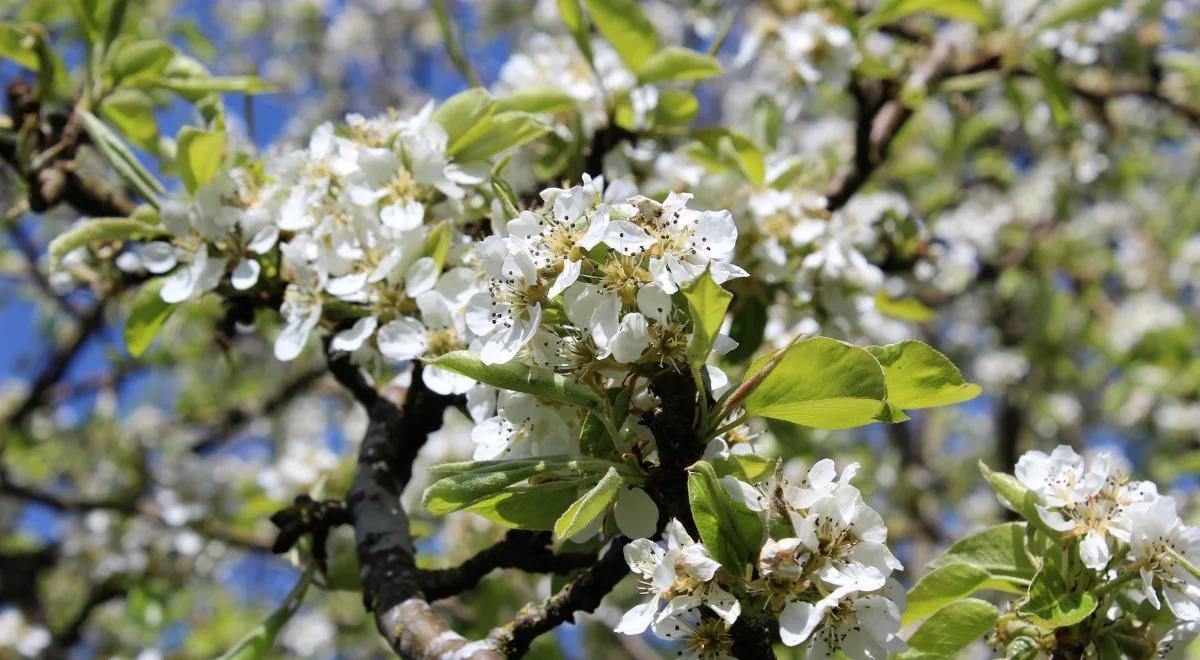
{"points": [[524, 550]]}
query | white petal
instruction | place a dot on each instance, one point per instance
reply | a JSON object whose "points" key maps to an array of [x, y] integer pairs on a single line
{"points": [[743, 492], [1093, 550], [352, 339], [566, 278], [632, 338], [637, 619], [158, 257], [654, 302], [797, 622], [627, 238], [402, 339], [246, 274], [403, 216], [421, 277]]}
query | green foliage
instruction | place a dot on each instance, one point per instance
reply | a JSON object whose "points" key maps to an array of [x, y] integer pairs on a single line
{"points": [[818, 382], [477, 127], [146, 317], [95, 230], [624, 25], [1052, 604], [589, 508], [891, 11], [707, 303], [198, 156], [674, 63], [919, 377], [121, 158], [731, 532], [520, 378], [537, 506], [951, 629], [258, 642], [948, 584], [725, 150], [1058, 97], [1000, 550]]}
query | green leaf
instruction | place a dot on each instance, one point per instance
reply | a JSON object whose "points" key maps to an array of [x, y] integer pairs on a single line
{"points": [[132, 112], [707, 303], [100, 229], [1052, 604], [85, 14], [1073, 11], [734, 151], [941, 587], [674, 63], [191, 87], [437, 243], [730, 531], [463, 484], [198, 156], [818, 382], [496, 133], [572, 17], [531, 507], [146, 317], [28, 44], [1058, 97], [908, 309], [676, 107], [536, 101], [16, 45], [121, 158], [259, 641], [891, 11], [765, 121], [1000, 550], [134, 62], [951, 629], [462, 112], [516, 377], [1016, 497], [919, 377], [588, 509], [626, 27]]}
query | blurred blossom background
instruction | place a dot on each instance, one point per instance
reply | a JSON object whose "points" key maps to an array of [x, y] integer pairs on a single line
{"points": [[1054, 258]]}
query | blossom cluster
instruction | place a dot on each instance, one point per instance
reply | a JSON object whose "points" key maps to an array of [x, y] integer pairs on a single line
{"points": [[1122, 525], [826, 573]]}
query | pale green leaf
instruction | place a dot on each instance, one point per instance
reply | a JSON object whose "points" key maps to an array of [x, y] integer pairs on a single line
{"points": [[707, 304], [908, 309], [951, 629], [818, 382], [1000, 550], [121, 158], [731, 532], [461, 113], [572, 17], [1073, 11], [536, 101], [674, 63], [100, 229], [940, 587], [198, 156], [515, 377], [134, 62], [530, 507], [626, 27], [919, 377], [891, 11], [146, 317], [132, 112], [500, 131], [1052, 604], [589, 508], [1058, 97]]}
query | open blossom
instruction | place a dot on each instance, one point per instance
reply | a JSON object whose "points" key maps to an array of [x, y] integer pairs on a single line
{"points": [[682, 574], [1159, 540], [612, 259]]}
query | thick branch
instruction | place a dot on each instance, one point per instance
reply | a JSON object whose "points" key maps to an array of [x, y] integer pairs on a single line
{"points": [[524, 550]]}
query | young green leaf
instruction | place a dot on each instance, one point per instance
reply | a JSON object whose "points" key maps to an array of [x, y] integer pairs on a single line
{"points": [[462, 112], [674, 63], [536, 101], [1058, 97], [951, 629], [198, 155], [530, 507], [572, 17], [818, 382], [891, 11], [1073, 11], [589, 508], [919, 377], [1052, 604], [1015, 496], [943, 586], [627, 28], [100, 229], [707, 303], [1000, 550], [730, 531], [132, 112], [134, 62], [732, 150], [121, 158], [516, 377], [146, 317], [496, 133]]}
